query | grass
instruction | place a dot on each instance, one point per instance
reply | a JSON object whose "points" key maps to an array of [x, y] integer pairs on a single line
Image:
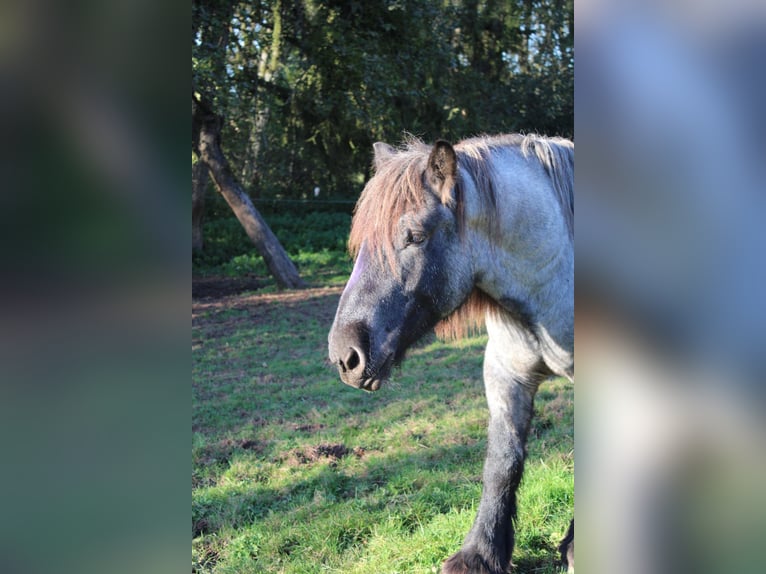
{"points": [[293, 472]]}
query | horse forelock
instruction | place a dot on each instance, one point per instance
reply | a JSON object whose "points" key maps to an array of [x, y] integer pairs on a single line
{"points": [[395, 188], [398, 187]]}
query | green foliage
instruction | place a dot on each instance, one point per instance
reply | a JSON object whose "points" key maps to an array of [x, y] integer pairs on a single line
{"points": [[306, 87], [294, 472], [313, 267], [314, 240]]}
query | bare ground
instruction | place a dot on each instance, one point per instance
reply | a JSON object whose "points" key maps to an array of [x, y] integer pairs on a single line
{"points": [[211, 295]]}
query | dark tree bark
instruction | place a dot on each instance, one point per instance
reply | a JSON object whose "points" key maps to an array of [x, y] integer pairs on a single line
{"points": [[199, 187], [206, 141]]}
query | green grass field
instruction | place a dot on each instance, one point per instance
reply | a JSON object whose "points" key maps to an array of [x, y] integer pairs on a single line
{"points": [[294, 472]]}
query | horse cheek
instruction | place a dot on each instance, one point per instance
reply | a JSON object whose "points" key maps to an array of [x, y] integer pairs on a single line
{"points": [[454, 282]]}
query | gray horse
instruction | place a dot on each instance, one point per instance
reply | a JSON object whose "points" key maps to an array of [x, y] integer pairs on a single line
{"points": [[448, 237]]}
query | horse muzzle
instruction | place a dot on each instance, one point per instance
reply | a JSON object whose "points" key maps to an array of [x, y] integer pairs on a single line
{"points": [[352, 370], [347, 352]]}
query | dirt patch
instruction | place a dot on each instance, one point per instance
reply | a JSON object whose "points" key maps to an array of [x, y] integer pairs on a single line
{"points": [[199, 527], [308, 428], [557, 408], [206, 290], [206, 551], [252, 445], [215, 302], [333, 451], [322, 452], [359, 451], [222, 451]]}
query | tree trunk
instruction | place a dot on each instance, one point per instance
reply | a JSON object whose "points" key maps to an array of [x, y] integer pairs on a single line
{"points": [[206, 133], [199, 187]]}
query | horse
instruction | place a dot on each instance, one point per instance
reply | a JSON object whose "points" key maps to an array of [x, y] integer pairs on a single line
{"points": [[446, 237]]}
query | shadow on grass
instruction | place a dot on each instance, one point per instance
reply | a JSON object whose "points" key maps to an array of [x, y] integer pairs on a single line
{"points": [[262, 360], [337, 482], [263, 388], [374, 489]]}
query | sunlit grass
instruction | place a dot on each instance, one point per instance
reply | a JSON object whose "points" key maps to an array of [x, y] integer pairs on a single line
{"points": [[294, 472]]}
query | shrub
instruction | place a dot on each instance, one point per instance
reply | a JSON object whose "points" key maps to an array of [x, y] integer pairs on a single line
{"points": [[228, 250]]}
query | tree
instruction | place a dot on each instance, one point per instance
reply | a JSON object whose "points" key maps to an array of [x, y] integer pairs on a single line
{"points": [[211, 32], [306, 87], [199, 187], [206, 140]]}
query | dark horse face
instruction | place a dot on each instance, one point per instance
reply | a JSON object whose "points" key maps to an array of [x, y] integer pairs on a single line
{"points": [[410, 271]]}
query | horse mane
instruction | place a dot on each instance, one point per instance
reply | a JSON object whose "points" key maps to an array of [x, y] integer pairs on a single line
{"points": [[554, 154], [398, 187]]}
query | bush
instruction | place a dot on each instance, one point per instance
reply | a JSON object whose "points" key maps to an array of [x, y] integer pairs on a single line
{"points": [[228, 250]]}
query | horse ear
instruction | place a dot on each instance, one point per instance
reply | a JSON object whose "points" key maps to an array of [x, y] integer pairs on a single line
{"points": [[383, 153], [442, 171]]}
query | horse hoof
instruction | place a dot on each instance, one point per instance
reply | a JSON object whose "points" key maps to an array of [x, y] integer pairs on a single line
{"points": [[468, 563]]}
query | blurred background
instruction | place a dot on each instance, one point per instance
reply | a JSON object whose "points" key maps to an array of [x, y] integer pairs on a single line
{"points": [[670, 272]]}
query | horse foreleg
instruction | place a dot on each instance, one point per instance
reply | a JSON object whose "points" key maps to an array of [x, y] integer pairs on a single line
{"points": [[488, 546], [566, 549]]}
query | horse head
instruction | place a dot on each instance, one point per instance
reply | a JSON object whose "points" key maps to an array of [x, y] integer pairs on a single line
{"points": [[409, 271]]}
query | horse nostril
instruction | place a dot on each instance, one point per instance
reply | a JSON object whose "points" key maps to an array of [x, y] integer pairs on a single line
{"points": [[352, 361]]}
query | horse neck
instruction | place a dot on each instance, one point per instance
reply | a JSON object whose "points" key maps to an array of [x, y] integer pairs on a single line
{"points": [[527, 258]]}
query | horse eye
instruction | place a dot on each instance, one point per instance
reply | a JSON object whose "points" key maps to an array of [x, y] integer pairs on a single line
{"points": [[414, 238]]}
